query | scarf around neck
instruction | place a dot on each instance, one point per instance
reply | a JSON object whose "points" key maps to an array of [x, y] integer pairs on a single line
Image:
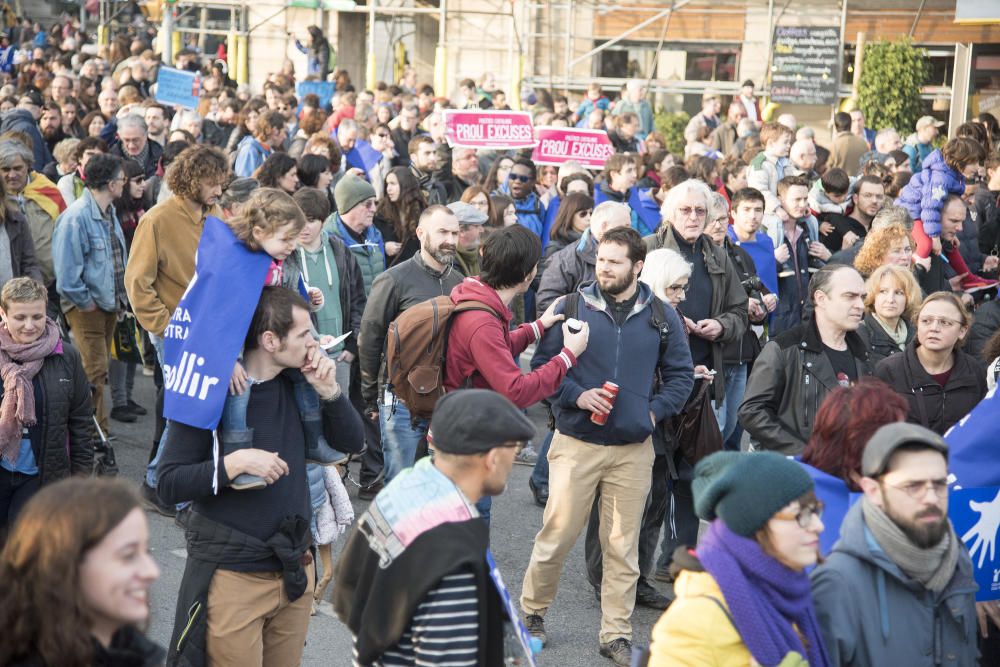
{"points": [[767, 600], [933, 567], [19, 364]]}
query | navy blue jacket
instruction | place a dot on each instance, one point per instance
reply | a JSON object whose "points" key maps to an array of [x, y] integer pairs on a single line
{"points": [[626, 356]]}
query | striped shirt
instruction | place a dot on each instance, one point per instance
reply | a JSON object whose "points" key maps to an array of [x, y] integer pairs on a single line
{"points": [[444, 631]]}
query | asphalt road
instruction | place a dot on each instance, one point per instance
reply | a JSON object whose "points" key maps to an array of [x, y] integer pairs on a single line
{"points": [[572, 623]]}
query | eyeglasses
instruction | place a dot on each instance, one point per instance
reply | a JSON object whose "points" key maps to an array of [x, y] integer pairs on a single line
{"points": [[518, 177], [918, 489], [384, 135], [371, 203], [941, 322], [721, 220], [677, 287], [686, 211], [804, 516]]}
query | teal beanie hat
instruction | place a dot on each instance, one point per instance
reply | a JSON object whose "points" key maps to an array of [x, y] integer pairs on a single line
{"points": [[746, 490]]}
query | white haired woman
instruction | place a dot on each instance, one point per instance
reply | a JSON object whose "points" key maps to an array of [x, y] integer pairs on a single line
{"points": [[669, 275]]}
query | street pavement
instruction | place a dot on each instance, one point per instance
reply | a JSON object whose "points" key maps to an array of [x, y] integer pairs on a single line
{"points": [[572, 623]]}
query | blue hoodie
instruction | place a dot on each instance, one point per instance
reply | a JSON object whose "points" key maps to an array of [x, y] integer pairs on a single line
{"points": [[924, 194], [250, 154], [626, 355], [530, 214]]}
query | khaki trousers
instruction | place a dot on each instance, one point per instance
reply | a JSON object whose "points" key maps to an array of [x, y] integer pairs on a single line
{"points": [[93, 333], [577, 470], [251, 622]]}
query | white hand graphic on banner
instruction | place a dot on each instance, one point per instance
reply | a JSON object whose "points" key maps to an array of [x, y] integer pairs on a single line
{"points": [[984, 533]]}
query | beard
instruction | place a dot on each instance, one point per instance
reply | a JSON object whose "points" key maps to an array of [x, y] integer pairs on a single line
{"points": [[52, 133], [443, 254], [922, 535], [614, 286]]}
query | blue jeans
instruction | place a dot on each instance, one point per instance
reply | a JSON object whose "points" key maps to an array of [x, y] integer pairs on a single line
{"points": [[540, 473], [399, 437], [151, 466], [736, 384]]}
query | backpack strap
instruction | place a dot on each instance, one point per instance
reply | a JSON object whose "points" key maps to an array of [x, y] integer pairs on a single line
{"points": [[464, 307], [660, 323]]}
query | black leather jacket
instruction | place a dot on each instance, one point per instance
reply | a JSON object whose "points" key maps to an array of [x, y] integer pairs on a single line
{"points": [[790, 379]]}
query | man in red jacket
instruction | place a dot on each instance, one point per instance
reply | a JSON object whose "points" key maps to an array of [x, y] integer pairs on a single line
{"points": [[482, 350]]}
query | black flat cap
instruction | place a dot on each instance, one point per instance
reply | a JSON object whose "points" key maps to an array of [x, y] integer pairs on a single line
{"points": [[474, 421]]}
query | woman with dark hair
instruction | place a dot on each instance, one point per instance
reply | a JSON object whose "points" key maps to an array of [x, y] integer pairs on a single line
{"points": [[94, 533], [314, 172], [504, 210], [398, 213], [46, 427], [279, 171], [318, 51], [498, 172], [939, 381], [989, 121], [93, 123], [846, 420], [652, 164], [572, 220], [743, 596]]}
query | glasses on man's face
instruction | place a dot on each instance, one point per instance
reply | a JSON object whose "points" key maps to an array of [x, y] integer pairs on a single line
{"points": [[804, 516], [687, 212], [917, 489], [519, 177], [720, 221], [941, 322], [384, 135], [371, 203]]}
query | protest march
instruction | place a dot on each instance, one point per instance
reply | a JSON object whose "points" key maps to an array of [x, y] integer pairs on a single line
{"points": [[314, 351]]}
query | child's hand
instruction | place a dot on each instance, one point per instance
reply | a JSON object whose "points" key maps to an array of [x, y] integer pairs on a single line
{"points": [[825, 228], [781, 254], [922, 262], [849, 239], [936, 245], [238, 382], [316, 297]]}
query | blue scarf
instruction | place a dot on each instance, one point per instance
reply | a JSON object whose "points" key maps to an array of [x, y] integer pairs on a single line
{"points": [[765, 598]]}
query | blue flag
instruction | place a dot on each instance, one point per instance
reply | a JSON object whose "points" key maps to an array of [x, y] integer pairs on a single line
{"points": [[974, 500], [363, 156], [7, 59], [836, 499], [207, 330]]}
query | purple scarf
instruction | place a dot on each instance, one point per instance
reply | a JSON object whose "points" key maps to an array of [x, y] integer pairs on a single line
{"points": [[765, 598]]}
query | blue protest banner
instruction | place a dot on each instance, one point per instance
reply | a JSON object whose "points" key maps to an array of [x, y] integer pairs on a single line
{"points": [[207, 330], [363, 156], [322, 89], [974, 500], [178, 87]]}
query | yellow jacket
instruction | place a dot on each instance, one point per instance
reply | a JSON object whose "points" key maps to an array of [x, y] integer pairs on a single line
{"points": [[161, 261], [696, 632]]}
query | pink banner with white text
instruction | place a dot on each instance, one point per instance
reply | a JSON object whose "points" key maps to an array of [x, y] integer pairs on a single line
{"points": [[557, 145], [499, 130]]}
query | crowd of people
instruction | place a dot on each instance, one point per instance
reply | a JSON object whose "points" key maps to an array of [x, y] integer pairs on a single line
{"points": [[711, 334]]}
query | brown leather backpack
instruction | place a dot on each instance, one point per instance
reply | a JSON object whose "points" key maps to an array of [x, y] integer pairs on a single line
{"points": [[415, 351]]}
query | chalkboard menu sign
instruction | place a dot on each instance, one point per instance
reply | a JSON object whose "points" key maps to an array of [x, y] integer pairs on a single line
{"points": [[805, 65]]}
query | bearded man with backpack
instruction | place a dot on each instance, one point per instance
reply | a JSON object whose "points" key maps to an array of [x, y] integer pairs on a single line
{"points": [[426, 275], [605, 411]]}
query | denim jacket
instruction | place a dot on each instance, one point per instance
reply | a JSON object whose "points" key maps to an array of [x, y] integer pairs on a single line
{"points": [[82, 254]]}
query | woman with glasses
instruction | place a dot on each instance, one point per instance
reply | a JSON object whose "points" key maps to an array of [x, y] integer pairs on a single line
{"points": [[892, 296], [939, 381], [743, 595]]}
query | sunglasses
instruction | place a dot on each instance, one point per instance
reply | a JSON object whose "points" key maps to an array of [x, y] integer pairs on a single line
{"points": [[518, 177]]}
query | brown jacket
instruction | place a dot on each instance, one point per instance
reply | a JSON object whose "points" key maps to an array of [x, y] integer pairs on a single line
{"points": [[847, 151], [161, 262]]}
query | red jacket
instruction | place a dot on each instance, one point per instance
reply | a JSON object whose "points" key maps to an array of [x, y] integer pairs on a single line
{"points": [[482, 347]]}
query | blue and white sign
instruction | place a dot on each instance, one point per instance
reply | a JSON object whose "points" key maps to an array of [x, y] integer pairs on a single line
{"points": [[207, 330], [974, 500], [178, 87]]}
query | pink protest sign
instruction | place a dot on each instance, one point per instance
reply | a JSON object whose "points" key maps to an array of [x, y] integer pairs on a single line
{"points": [[489, 129], [557, 145]]}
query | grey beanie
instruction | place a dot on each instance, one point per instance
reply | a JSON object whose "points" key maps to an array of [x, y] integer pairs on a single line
{"points": [[351, 191]]}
